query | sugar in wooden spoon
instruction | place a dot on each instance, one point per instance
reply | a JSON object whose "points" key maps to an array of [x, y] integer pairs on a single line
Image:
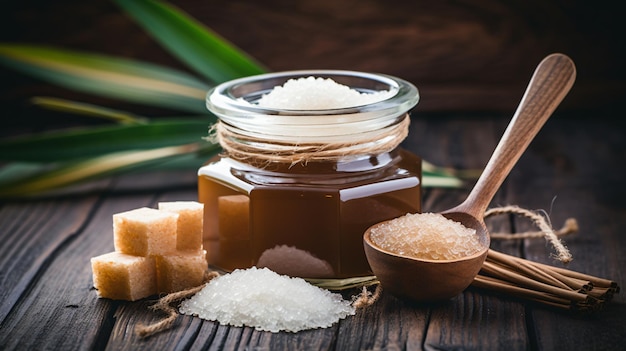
{"points": [[422, 279]]}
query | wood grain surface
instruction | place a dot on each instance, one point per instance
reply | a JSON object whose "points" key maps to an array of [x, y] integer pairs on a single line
{"points": [[471, 61], [572, 169]]}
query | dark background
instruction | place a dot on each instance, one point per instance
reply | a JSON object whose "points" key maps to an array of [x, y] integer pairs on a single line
{"points": [[473, 57]]}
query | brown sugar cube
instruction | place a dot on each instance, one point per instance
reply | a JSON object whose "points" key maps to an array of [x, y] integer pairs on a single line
{"points": [[233, 217], [118, 276], [180, 271], [190, 223], [145, 231]]}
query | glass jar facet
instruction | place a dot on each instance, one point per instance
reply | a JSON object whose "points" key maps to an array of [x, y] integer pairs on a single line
{"points": [[307, 218]]}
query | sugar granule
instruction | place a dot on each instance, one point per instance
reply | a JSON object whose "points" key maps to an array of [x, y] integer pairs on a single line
{"points": [[313, 93], [427, 236], [267, 301]]}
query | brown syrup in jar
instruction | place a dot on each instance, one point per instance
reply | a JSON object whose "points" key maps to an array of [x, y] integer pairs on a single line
{"points": [[304, 220]]}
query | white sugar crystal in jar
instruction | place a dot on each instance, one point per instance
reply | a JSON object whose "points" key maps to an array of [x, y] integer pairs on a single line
{"points": [[314, 93]]}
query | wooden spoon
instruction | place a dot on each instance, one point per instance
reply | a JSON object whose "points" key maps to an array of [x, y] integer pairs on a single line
{"points": [[431, 280]]}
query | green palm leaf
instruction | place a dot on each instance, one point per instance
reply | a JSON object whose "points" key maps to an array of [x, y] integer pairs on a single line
{"points": [[114, 77], [38, 163], [70, 144], [440, 180], [50, 178], [193, 43], [90, 110]]}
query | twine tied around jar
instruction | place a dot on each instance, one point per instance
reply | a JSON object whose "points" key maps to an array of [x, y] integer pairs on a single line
{"points": [[265, 151]]}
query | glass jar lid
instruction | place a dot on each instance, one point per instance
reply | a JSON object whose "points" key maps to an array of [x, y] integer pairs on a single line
{"points": [[235, 103]]}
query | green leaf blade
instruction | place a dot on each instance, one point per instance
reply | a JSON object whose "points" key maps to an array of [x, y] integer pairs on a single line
{"points": [[89, 110], [70, 144], [124, 79], [78, 171], [436, 180], [193, 43]]}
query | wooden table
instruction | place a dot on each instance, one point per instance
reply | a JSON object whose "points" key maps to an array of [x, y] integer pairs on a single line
{"points": [[574, 168]]}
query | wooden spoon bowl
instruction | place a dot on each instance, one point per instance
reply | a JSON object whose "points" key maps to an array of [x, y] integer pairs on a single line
{"points": [[425, 280], [431, 280]]}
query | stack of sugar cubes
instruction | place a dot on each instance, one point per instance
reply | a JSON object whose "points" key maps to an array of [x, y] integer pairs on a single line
{"points": [[157, 251]]}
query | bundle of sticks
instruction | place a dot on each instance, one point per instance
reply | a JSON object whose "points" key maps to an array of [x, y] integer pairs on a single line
{"points": [[543, 283]]}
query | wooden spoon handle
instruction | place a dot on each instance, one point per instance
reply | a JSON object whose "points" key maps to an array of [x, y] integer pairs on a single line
{"points": [[552, 80]]}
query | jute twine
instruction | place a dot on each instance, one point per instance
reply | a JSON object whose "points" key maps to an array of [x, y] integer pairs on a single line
{"points": [[164, 304], [367, 298], [263, 151], [542, 221]]}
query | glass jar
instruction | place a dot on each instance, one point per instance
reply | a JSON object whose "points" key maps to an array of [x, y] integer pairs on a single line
{"points": [[295, 190]]}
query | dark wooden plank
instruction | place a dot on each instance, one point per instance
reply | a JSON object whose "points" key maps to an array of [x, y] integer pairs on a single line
{"points": [[314, 339], [32, 232], [123, 336], [60, 310], [389, 324], [54, 306], [575, 169], [472, 319]]}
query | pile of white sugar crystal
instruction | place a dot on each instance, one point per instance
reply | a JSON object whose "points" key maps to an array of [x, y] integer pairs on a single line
{"points": [[313, 93], [426, 236], [267, 301]]}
